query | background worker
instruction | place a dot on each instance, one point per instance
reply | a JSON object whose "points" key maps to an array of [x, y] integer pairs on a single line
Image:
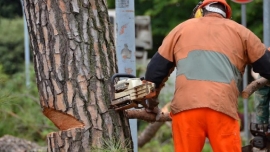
{"points": [[210, 54]]}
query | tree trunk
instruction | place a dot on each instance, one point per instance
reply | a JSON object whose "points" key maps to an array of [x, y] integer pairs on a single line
{"points": [[74, 58]]}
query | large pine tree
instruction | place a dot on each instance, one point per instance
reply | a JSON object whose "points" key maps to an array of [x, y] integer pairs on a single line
{"points": [[74, 58]]}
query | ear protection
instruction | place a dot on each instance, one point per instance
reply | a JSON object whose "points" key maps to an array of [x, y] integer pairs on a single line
{"points": [[197, 12]]}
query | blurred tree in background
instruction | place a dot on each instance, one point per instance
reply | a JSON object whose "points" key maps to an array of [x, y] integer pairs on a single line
{"points": [[12, 45], [19, 104], [10, 8], [165, 15], [11, 36], [20, 110]]}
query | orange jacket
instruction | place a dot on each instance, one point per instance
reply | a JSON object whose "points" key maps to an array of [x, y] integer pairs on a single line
{"points": [[210, 54]]}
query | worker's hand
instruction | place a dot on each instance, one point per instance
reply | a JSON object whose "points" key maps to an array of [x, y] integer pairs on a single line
{"points": [[155, 111], [152, 104], [152, 110]]}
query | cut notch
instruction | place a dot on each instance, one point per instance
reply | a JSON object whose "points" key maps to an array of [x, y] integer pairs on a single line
{"points": [[62, 120]]}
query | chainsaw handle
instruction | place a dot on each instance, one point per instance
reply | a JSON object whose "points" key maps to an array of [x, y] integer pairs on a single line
{"points": [[118, 75]]}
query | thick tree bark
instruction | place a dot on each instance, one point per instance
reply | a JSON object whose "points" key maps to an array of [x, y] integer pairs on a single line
{"points": [[74, 58]]}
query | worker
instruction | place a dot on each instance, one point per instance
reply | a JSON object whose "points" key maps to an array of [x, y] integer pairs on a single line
{"points": [[209, 53]]}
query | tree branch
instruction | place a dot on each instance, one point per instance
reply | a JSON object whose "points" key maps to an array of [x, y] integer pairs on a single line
{"points": [[152, 128], [146, 116], [149, 117], [149, 132], [253, 86], [165, 116]]}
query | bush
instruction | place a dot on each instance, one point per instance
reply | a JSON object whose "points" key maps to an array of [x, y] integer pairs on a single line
{"points": [[12, 45], [21, 114]]}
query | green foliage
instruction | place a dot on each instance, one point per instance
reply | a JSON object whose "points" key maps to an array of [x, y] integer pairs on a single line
{"points": [[10, 8], [113, 145], [163, 19], [21, 114], [254, 15], [111, 4], [12, 45], [165, 15], [162, 142]]}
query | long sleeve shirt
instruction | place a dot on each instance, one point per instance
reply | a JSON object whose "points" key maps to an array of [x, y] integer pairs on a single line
{"points": [[210, 54]]}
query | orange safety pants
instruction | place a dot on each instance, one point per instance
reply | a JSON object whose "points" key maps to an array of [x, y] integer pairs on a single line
{"points": [[190, 128]]}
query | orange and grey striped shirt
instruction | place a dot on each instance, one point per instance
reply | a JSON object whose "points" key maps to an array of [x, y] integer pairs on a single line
{"points": [[210, 54]]}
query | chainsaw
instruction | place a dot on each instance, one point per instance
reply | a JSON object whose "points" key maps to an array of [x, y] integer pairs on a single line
{"points": [[131, 92], [261, 140]]}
